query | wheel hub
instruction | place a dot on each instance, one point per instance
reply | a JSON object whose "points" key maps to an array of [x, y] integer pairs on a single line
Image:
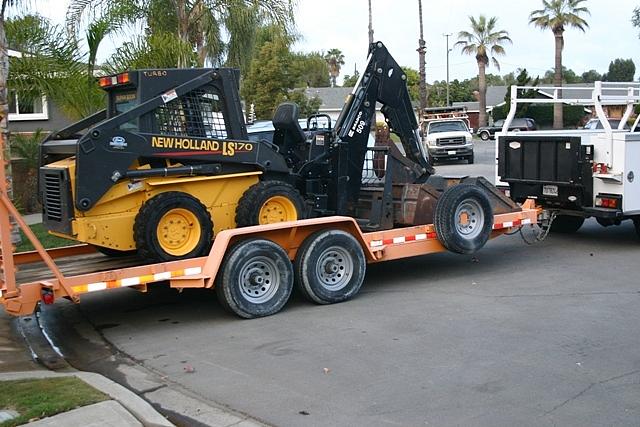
{"points": [[178, 232], [469, 218], [334, 268], [259, 280], [277, 209]]}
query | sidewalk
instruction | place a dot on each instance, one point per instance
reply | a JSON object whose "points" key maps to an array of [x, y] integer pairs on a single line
{"points": [[125, 409]]}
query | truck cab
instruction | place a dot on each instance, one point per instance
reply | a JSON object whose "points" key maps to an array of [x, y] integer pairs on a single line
{"points": [[446, 135]]}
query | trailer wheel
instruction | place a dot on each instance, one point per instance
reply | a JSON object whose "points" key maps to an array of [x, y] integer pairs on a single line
{"points": [[256, 279], [567, 224], [463, 219], [171, 226], [330, 267], [268, 202]]}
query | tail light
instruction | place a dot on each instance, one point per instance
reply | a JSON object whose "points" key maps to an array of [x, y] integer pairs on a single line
{"points": [[610, 201], [119, 79]]}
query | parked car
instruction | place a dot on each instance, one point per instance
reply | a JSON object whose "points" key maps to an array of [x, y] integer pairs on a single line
{"points": [[596, 124], [448, 139], [489, 132]]}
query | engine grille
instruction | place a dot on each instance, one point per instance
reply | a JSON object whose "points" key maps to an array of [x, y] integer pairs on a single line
{"points": [[458, 140], [56, 199]]}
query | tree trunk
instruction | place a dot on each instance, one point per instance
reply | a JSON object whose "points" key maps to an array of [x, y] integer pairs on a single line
{"points": [[557, 81], [4, 118], [183, 27], [370, 24], [422, 49], [482, 88]]}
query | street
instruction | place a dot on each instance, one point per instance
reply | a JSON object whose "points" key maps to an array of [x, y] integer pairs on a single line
{"points": [[518, 334]]}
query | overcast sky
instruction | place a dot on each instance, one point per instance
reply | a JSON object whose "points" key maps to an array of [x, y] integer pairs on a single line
{"points": [[343, 24]]}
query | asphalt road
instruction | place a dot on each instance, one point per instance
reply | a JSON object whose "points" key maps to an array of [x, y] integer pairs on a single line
{"points": [[515, 335]]}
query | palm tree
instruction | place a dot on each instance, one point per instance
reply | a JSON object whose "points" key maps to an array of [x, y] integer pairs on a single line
{"points": [[335, 60], [203, 24], [485, 42], [556, 15], [370, 24], [422, 50]]}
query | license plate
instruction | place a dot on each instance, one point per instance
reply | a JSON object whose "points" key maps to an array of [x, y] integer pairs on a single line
{"points": [[452, 153], [550, 190]]}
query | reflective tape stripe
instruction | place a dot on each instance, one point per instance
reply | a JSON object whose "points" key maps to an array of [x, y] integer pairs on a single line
{"points": [[137, 280], [402, 239], [509, 224]]}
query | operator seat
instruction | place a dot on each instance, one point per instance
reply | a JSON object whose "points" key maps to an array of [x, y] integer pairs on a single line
{"points": [[288, 133]]}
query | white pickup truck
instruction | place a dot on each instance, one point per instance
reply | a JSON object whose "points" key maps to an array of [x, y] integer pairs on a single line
{"points": [[446, 135]]}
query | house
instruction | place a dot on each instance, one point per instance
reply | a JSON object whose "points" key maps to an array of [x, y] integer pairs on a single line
{"points": [[333, 99], [495, 98]]}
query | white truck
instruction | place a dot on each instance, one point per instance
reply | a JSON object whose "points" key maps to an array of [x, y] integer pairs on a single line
{"points": [[579, 173], [446, 134]]}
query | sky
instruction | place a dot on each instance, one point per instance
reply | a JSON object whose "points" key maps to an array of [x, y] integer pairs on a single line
{"points": [[343, 24]]}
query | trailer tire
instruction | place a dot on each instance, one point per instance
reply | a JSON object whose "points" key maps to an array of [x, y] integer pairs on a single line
{"points": [[184, 218], [269, 202], [567, 224], [463, 218], [255, 279], [330, 267]]}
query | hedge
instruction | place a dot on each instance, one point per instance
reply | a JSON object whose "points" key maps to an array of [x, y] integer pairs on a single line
{"points": [[543, 114]]}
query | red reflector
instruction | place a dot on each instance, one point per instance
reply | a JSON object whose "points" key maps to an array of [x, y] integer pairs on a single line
{"points": [[123, 78], [47, 298]]}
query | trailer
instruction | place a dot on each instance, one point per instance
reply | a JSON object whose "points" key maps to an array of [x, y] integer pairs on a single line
{"points": [[576, 174], [252, 269]]}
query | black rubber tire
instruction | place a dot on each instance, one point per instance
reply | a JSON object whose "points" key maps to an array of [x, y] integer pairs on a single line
{"points": [[149, 215], [470, 159], [249, 205], [485, 136], [476, 203], [567, 224], [636, 224], [114, 253], [265, 259], [346, 256]]}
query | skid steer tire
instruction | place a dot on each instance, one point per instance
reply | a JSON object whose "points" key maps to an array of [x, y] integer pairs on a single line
{"points": [[330, 267], [172, 226], [268, 202], [255, 279], [567, 224], [463, 218]]}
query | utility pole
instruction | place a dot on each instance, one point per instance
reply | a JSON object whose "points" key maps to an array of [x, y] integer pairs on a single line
{"points": [[448, 51], [422, 49], [370, 25]]}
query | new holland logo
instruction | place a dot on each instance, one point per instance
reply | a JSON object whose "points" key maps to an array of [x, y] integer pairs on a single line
{"points": [[118, 142]]}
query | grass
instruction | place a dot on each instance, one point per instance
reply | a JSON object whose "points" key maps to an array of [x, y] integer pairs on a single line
{"points": [[40, 398], [47, 240]]}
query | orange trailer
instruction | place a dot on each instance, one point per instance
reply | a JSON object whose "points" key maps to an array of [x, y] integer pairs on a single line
{"points": [[253, 269]]}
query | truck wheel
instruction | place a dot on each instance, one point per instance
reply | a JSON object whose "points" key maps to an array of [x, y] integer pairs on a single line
{"points": [[567, 224], [470, 159], [256, 279], [463, 218], [171, 226], [484, 136], [330, 267], [268, 202]]}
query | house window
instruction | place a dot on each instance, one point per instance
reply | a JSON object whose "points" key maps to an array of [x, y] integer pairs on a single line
{"points": [[23, 108]]}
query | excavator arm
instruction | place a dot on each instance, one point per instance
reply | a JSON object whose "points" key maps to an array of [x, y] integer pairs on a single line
{"points": [[383, 81]]}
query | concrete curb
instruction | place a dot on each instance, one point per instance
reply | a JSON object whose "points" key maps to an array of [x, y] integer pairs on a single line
{"points": [[138, 407]]}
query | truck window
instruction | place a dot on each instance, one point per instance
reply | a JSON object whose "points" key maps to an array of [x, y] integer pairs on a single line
{"points": [[452, 126]]}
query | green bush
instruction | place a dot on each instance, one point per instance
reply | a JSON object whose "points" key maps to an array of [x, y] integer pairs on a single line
{"points": [[543, 114]]}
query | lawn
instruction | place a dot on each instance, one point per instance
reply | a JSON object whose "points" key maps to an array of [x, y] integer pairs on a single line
{"points": [[47, 240], [39, 398]]}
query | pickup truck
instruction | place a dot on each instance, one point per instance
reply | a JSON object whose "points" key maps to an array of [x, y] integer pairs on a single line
{"points": [[448, 139]]}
